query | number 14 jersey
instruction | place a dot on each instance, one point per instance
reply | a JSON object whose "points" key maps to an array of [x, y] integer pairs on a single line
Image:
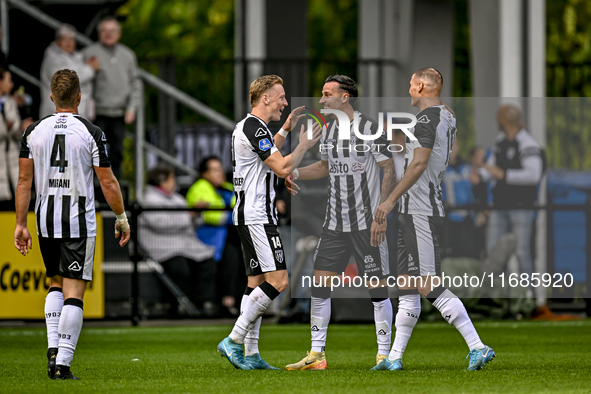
{"points": [[64, 148]]}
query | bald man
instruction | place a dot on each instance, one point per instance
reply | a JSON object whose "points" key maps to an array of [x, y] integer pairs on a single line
{"points": [[516, 168], [421, 222]]}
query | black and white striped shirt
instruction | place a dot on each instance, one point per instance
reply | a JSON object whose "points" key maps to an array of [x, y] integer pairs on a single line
{"points": [[254, 181], [64, 148], [354, 181], [436, 130]]}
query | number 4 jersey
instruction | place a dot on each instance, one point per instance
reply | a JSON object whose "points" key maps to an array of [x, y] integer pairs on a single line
{"points": [[64, 148]]}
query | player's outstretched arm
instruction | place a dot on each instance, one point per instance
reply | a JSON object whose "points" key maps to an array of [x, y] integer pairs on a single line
{"points": [[112, 192], [22, 237], [411, 175], [283, 166], [313, 171]]}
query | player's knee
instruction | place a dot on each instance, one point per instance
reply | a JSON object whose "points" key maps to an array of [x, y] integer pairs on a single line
{"points": [[424, 290], [279, 283], [282, 285], [378, 294]]}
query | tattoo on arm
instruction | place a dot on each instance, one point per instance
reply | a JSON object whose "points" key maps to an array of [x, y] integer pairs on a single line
{"points": [[388, 179]]}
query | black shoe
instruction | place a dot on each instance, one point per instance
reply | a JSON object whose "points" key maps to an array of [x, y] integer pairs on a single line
{"points": [[63, 372], [51, 356]]}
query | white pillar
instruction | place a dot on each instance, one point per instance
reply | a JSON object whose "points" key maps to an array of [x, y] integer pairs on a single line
{"points": [[255, 39], [537, 120], [511, 48]]}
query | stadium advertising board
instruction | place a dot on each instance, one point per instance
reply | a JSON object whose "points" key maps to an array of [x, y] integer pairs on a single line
{"points": [[23, 284]]}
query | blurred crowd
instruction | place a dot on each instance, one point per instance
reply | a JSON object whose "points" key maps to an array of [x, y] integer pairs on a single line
{"points": [[110, 86]]}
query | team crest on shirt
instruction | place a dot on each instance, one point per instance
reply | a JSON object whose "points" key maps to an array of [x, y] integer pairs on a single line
{"points": [[253, 263], [264, 144], [279, 255], [260, 132]]}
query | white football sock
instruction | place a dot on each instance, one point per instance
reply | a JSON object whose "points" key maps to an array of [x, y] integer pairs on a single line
{"points": [[382, 313], [454, 312], [251, 341], [68, 332], [409, 310], [54, 302], [256, 305], [319, 319]]}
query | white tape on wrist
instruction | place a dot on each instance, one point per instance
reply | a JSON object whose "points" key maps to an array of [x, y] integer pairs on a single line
{"points": [[122, 222], [295, 174], [122, 217], [283, 133]]}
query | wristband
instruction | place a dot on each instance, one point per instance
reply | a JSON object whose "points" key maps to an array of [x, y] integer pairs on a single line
{"points": [[283, 133], [296, 174]]}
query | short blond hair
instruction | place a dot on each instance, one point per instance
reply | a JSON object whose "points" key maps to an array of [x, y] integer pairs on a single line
{"points": [[260, 86]]}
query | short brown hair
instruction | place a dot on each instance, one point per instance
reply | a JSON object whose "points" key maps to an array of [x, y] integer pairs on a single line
{"points": [[431, 74], [65, 87], [261, 85]]}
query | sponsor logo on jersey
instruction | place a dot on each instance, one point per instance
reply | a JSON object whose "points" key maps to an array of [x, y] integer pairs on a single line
{"points": [[279, 255], [338, 168], [75, 266], [238, 181], [253, 263], [357, 167], [423, 119], [260, 132], [65, 183], [264, 144], [60, 123]]}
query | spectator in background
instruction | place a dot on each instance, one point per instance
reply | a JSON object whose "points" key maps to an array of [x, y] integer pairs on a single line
{"points": [[61, 54], [116, 87], [456, 194], [24, 101], [10, 137], [169, 238], [212, 191], [516, 169]]}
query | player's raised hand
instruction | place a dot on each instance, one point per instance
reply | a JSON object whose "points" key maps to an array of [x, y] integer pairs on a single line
{"points": [[293, 118], [22, 240], [291, 186], [306, 140], [383, 210], [378, 233], [122, 230]]}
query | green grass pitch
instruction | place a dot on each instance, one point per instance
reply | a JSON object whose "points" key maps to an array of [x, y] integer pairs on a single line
{"points": [[531, 357]]}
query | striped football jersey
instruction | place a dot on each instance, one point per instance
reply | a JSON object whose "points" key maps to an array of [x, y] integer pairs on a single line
{"points": [[64, 148]]}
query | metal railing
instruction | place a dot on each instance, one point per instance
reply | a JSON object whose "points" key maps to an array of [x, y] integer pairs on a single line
{"points": [[140, 144]]}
